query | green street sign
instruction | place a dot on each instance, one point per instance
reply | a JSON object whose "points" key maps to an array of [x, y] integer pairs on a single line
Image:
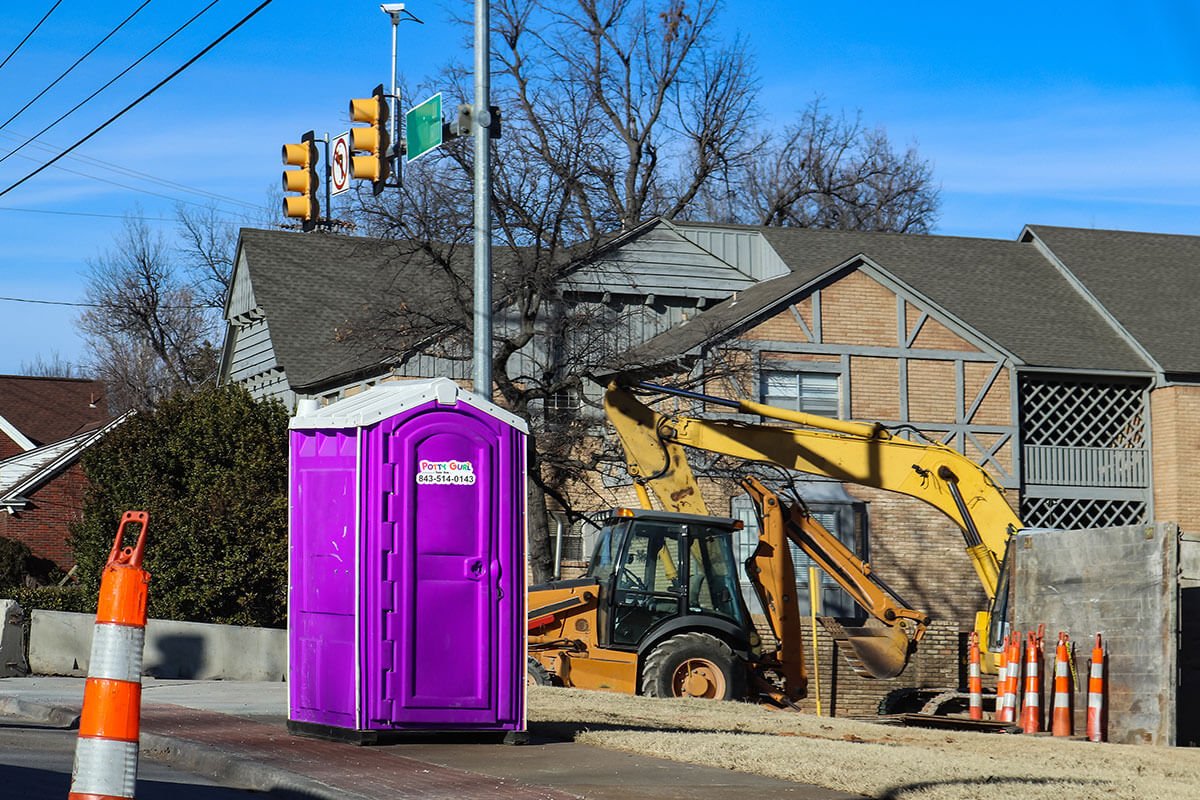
{"points": [[423, 127]]}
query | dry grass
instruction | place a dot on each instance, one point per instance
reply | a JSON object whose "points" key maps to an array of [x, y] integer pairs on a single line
{"points": [[880, 761]]}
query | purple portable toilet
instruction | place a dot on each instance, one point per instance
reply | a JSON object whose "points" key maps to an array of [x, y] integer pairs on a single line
{"points": [[406, 591]]}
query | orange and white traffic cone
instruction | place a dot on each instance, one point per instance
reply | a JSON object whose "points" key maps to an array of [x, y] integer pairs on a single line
{"points": [[1061, 723], [974, 678], [1014, 678], [1095, 706], [1031, 711], [106, 754], [1001, 680]]}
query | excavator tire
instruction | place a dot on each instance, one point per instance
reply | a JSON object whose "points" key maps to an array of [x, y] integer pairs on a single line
{"points": [[694, 665], [536, 674]]}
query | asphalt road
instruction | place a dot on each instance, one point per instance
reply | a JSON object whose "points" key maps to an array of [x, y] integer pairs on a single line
{"points": [[35, 764]]}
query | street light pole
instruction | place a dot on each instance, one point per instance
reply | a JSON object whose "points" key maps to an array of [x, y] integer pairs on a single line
{"points": [[397, 12], [482, 372]]}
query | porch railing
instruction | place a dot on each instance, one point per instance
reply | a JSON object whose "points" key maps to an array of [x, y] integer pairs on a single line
{"points": [[1104, 467]]}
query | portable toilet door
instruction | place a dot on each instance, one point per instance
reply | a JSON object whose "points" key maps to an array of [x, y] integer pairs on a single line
{"points": [[445, 536]]}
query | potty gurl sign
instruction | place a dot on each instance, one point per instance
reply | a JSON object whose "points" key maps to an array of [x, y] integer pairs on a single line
{"points": [[450, 472]]}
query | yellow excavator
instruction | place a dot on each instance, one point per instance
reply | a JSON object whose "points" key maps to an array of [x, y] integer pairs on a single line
{"points": [[659, 610]]}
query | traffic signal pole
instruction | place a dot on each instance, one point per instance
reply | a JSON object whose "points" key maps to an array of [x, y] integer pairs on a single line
{"points": [[482, 352]]}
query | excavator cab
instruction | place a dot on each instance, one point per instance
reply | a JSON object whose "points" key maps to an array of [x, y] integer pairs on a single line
{"points": [[653, 567]]}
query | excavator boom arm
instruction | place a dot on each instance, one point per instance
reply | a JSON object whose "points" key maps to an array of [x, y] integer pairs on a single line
{"points": [[856, 453]]}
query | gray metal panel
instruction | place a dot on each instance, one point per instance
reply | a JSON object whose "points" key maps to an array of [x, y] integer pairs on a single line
{"points": [[660, 262], [744, 248], [1121, 583], [252, 352], [241, 292]]}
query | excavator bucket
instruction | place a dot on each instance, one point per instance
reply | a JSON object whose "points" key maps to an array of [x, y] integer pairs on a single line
{"points": [[873, 652]]}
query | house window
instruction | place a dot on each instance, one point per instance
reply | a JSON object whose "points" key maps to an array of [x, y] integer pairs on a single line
{"points": [[810, 392], [842, 515], [561, 406]]}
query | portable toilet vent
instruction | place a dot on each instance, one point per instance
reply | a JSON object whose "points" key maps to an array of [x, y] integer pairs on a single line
{"points": [[406, 586]]}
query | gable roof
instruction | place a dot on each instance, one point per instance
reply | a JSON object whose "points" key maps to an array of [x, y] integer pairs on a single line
{"points": [[312, 287], [1006, 291], [1148, 282], [47, 410], [315, 288], [24, 473]]}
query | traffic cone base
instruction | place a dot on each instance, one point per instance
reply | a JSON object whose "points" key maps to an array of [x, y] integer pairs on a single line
{"points": [[104, 769]]}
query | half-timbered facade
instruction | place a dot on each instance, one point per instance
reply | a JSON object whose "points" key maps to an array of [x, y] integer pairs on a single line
{"points": [[1061, 362]]}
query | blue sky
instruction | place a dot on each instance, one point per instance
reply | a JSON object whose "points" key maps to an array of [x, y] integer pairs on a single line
{"points": [[1071, 114]]}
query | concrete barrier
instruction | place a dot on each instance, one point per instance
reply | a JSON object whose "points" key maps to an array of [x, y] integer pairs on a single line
{"points": [[60, 643], [12, 640]]}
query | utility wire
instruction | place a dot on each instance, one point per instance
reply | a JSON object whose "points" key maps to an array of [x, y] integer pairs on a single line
{"points": [[89, 214], [118, 76], [31, 33], [120, 185], [91, 305], [132, 173], [151, 91], [78, 61]]}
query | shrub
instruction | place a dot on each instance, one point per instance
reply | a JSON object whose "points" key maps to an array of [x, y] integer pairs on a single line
{"points": [[14, 558], [210, 468], [54, 598]]}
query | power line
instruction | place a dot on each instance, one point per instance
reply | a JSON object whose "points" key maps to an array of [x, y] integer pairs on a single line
{"points": [[118, 76], [132, 173], [120, 185], [88, 214], [48, 302], [31, 33], [78, 61], [151, 91], [91, 305]]}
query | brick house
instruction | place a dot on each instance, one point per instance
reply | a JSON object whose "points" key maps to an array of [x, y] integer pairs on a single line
{"points": [[1060, 361], [46, 424]]}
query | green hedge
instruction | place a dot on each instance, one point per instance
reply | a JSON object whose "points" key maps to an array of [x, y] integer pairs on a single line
{"points": [[210, 468], [52, 598]]}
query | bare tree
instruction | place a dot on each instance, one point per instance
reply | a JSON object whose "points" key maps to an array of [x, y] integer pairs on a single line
{"points": [[208, 245], [147, 329], [53, 366], [828, 172], [614, 111]]}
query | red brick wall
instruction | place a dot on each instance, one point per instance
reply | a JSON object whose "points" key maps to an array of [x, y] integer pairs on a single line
{"points": [[8, 448], [44, 523], [1173, 412], [939, 664], [913, 547]]}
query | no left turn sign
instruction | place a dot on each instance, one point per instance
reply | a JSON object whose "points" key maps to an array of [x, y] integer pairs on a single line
{"points": [[339, 164]]}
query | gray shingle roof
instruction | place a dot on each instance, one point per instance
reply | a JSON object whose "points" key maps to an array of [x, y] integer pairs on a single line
{"points": [[1150, 282], [1007, 291], [313, 287]]}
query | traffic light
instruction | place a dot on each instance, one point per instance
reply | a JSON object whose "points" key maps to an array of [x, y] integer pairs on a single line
{"points": [[303, 180], [372, 140]]}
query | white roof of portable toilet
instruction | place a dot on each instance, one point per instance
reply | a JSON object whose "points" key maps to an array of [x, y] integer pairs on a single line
{"points": [[393, 397]]}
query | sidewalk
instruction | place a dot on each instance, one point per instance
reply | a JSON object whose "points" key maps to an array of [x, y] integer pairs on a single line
{"points": [[235, 733]]}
